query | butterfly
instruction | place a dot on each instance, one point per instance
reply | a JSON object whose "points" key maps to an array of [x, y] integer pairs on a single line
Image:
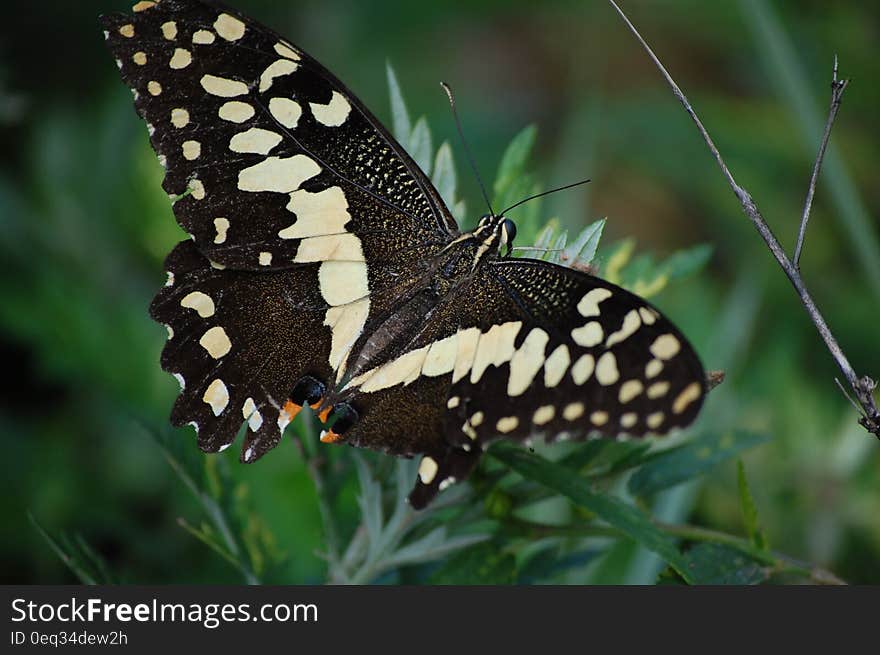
{"points": [[324, 269]]}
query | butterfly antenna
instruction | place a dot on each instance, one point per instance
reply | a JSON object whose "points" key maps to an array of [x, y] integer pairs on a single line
{"points": [[467, 150], [543, 193]]}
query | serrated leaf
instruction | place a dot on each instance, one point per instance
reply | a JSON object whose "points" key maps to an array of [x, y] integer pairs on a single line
{"points": [[370, 502], [482, 564], [680, 464], [583, 249], [431, 547], [749, 510], [714, 564], [419, 146], [617, 257], [613, 511], [687, 262], [400, 123], [511, 180], [444, 174], [555, 253]]}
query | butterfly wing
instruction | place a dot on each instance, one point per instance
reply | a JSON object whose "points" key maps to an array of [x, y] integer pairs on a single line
{"points": [[534, 349], [306, 216]]}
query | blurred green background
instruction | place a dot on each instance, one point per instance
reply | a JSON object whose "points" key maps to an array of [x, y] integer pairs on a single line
{"points": [[84, 227]]}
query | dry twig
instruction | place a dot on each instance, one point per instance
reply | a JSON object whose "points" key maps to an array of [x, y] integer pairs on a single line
{"points": [[862, 387]]}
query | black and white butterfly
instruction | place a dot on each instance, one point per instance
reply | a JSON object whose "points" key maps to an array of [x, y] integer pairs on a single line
{"points": [[325, 270]]}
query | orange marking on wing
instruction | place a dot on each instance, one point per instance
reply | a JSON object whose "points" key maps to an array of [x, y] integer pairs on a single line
{"points": [[324, 413], [291, 409], [330, 436]]}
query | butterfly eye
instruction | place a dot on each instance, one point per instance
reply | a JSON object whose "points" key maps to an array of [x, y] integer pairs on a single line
{"points": [[508, 233]]}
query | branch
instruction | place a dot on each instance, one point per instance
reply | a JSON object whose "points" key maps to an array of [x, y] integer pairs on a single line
{"points": [[837, 89], [862, 387]]}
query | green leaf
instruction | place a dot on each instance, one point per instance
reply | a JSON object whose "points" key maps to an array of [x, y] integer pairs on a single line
{"points": [[370, 502], [82, 560], [483, 564], [749, 510], [722, 564], [444, 174], [613, 511], [687, 262], [419, 145], [400, 123], [511, 180], [680, 464], [583, 249]]}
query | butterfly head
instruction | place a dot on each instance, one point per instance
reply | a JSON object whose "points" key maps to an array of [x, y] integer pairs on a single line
{"points": [[496, 231]]}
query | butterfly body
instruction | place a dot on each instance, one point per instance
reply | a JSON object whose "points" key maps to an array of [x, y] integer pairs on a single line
{"points": [[325, 270]]}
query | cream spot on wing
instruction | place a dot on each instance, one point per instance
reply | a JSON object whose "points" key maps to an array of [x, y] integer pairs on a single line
{"points": [[445, 484], [655, 420], [346, 323], [216, 342], [203, 37], [324, 212], [527, 361], [556, 366], [140, 58], [583, 368], [649, 316], [666, 346], [181, 59], [285, 111], [127, 31], [334, 113], [573, 411], [286, 51], [141, 6], [217, 396], [215, 265], [200, 302], [222, 227], [453, 402], [276, 69], [588, 335], [477, 419], [179, 117], [441, 357], [658, 389], [223, 87], [589, 304], [402, 370], [252, 415], [169, 30], [543, 415], [191, 150], [265, 258], [631, 324], [169, 281], [629, 419], [163, 162], [507, 424], [606, 369], [629, 390], [691, 393], [653, 368], [255, 141], [170, 331], [468, 340], [330, 247], [427, 469], [342, 282], [280, 174], [469, 431], [180, 380], [495, 348], [599, 418], [236, 111], [229, 27], [154, 88]]}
